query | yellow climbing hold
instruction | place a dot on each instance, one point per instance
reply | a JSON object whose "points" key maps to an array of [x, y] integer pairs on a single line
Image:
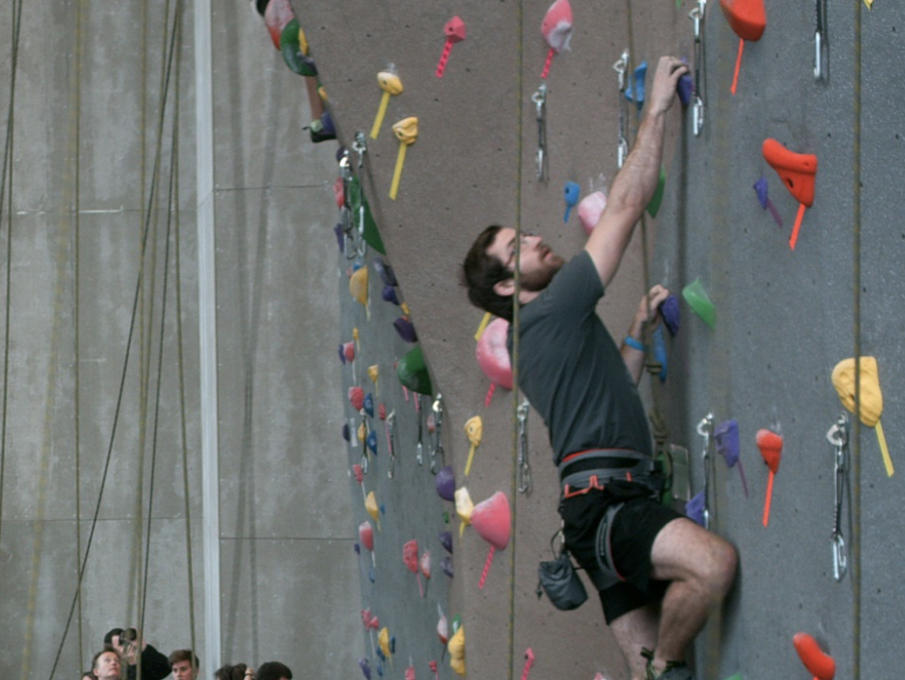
{"points": [[464, 508], [391, 85], [871, 399], [406, 131], [457, 651], [474, 428]]}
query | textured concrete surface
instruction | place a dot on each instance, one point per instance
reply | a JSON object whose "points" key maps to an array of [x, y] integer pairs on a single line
{"points": [[284, 532]]}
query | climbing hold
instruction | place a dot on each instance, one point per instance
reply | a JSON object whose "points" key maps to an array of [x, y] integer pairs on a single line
{"points": [[770, 445], [361, 213], [371, 441], [357, 398], [653, 207], [464, 508], [383, 640], [358, 286], [669, 312], [635, 92], [760, 186], [571, 192], [365, 667], [410, 557], [366, 535], [406, 131], [819, 664], [493, 356], [368, 404], [492, 520], [726, 437], [374, 374], [405, 329], [694, 509], [590, 209], [446, 539], [425, 563], [391, 85], [442, 627], [260, 5], [456, 648], [371, 507], [871, 399], [798, 172], [412, 372], [748, 19], [294, 47], [276, 16], [557, 31], [699, 301], [454, 30], [340, 237], [346, 434], [386, 273], [389, 295], [349, 350], [446, 565], [474, 428], [446, 483]]}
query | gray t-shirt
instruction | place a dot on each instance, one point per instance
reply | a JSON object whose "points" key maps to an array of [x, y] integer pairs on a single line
{"points": [[571, 369]]}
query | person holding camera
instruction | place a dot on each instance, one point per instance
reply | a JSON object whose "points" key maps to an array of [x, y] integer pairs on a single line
{"points": [[131, 646]]}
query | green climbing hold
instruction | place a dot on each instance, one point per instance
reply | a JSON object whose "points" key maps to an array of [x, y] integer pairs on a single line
{"points": [[294, 47], [412, 372], [699, 301], [654, 206], [361, 214]]}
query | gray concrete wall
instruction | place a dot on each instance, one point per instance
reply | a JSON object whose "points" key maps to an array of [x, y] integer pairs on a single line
{"points": [[79, 234], [784, 318]]}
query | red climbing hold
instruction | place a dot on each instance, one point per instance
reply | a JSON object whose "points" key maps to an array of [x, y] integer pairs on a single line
{"points": [[819, 664], [747, 18], [798, 171], [276, 16]]}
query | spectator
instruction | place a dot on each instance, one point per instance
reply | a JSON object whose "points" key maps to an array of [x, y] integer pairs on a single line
{"points": [[273, 670], [106, 665], [126, 642], [184, 664], [239, 671]]}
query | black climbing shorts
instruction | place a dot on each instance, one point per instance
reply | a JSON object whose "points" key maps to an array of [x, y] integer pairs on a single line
{"points": [[635, 527]]}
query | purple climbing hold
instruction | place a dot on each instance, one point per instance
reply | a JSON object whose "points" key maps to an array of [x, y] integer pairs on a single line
{"points": [[406, 329], [356, 548], [365, 667], [386, 272], [389, 294], [446, 565], [446, 541], [340, 240], [726, 437], [694, 509], [446, 483], [669, 311], [685, 89], [346, 434]]}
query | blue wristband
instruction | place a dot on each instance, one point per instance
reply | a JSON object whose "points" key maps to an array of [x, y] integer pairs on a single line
{"points": [[634, 344]]}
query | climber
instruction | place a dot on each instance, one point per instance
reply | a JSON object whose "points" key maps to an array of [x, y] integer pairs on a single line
{"points": [[659, 575]]}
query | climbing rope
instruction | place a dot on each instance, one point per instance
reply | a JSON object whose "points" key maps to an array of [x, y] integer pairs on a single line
{"points": [[131, 333]]}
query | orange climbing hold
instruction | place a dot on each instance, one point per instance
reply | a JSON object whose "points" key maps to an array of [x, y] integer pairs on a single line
{"points": [[819, 664], [798, 171], [747, 18]]}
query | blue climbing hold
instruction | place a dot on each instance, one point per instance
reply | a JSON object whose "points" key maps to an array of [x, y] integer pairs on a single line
{"points": [[572, 191]]}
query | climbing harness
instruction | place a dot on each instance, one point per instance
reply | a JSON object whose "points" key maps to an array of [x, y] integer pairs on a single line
{"points": [[622, 146], [524, 468], [697, 107], [820, 44], [838, 437], [390, 427], [540, 101], [437, 454], [705, 429]]}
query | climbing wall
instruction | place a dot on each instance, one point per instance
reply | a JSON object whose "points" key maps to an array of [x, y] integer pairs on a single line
{"points": [[783, 318]]}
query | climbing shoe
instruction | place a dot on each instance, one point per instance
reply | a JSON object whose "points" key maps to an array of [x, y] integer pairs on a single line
{"points": [[675, 670]]}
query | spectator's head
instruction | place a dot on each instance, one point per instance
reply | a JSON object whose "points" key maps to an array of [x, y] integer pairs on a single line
{"points": [[228, 672], [106, 664], [273, 670], [183, 664]]}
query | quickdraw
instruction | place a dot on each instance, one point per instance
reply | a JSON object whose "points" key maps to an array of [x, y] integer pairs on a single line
{"points": [[705, 429], [437, 453], [540, 101], [697, 107], [622, 145], [838, 437], [524, 467]]}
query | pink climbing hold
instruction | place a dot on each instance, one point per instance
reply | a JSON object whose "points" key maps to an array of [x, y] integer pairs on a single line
{"points": [[590, 209], [557, 31], [455, 32]]}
